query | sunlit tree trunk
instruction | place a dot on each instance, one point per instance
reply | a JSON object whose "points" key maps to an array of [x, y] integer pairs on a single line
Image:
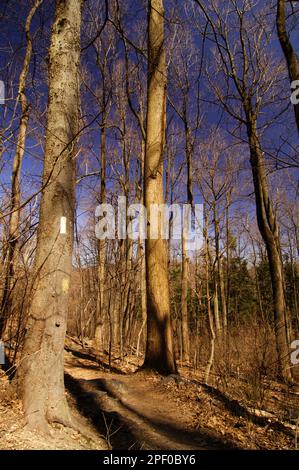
{"points": [[159, 348], [41, 373]]}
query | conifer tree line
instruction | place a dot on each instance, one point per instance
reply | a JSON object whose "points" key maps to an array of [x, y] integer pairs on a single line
{"points": [[155, 102]]}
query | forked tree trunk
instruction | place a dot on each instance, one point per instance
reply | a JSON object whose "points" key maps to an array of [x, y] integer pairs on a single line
{"points": [[159, 348], [269, 231], [14, 221], [41, 374]]}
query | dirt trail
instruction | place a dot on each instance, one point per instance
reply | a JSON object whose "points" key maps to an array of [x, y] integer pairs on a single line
{"points": [[141, 411], [138, 411]]}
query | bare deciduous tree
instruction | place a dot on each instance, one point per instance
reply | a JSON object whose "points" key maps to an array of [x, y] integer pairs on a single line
{"points": [[159, 348], [14, 220], [41, 373]]}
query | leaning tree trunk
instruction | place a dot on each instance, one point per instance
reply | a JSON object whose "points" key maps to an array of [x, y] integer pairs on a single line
{"points": [[269, 231], [14, 220], [287, 48], [41, 373], [159, 348]]}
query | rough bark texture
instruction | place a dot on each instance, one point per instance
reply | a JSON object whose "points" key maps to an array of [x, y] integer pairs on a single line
{"points": [[41, 374], [14, 221], [159, 347], [287, 48]]}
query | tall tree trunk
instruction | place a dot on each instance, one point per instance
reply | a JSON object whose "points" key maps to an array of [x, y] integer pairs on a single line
{"points": [[216, 306], [41, 373], [220, 272], [142, 252], [270, 234], [14, 221], [222, 296], [210, 316], [220, 323], [227, 258], [99, 329], [287, 48], [185, 260], [184, 302], [159, 348], [294, 279]]}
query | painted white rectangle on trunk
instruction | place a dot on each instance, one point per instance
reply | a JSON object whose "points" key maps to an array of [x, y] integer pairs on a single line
{"points": [[63, 225], [2, 92], [2, 353]]}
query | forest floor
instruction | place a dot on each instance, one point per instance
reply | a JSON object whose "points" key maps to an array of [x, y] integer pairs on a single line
{"points": [[120, 409]]}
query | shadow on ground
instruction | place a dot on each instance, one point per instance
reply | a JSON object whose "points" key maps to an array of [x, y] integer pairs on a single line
{"points": [[102, 401], [95, 359]]}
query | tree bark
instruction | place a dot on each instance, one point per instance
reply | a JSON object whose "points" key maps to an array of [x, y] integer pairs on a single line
{"points": [[210, 316], [41, 373], [159, 348], [223, 322], [184, 302], [99, 329], [269, 231], [185, 260], [287, 48]]}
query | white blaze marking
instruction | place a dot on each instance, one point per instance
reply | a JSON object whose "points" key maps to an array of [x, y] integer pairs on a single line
{"points": [[2, 353], [63, 225], [2, 92]]}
